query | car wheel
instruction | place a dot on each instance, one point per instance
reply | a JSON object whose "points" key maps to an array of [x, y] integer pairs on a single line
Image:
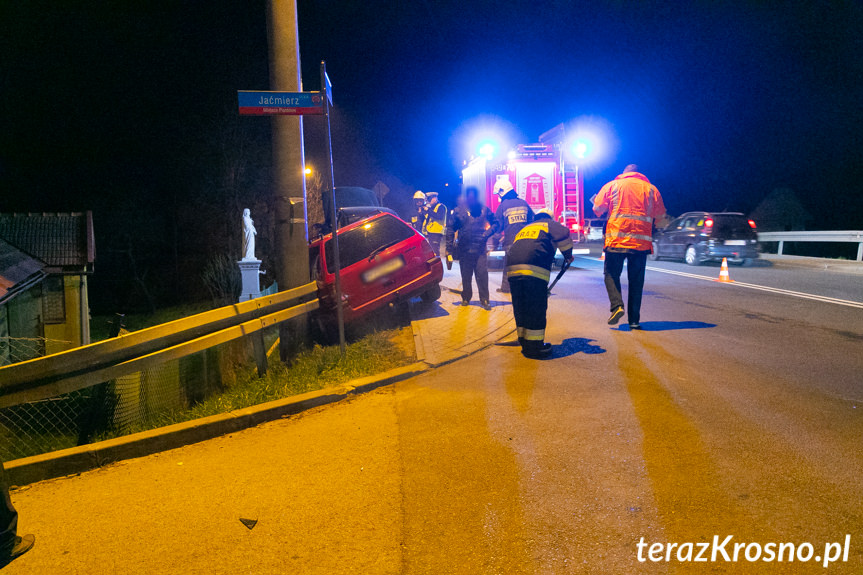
{"points": [[747, 262], [655, 254], [691, 256], [431, 295]]}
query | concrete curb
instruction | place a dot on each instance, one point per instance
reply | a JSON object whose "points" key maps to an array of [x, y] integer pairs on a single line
{"points": [[95, 455]]}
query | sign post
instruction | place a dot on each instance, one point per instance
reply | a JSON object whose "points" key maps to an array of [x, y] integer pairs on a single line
{"points": [[327, 88]]}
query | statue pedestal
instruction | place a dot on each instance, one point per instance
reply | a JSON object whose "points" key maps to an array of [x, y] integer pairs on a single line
{"points": [[250, 271]]}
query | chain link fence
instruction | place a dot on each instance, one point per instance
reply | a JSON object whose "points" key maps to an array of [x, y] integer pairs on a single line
{"points": [[120, 406]]}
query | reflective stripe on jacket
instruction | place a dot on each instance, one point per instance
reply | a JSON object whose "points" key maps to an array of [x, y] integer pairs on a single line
{"points": [[632, 203]]}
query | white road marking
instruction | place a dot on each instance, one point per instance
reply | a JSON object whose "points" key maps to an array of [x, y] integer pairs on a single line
{"points": [[780, 291]]}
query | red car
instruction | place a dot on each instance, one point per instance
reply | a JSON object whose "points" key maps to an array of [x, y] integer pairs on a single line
{"points": [[383, 260]]}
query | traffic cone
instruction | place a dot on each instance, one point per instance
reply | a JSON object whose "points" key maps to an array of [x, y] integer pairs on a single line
{"points": [[602, 256], [723, 273]]}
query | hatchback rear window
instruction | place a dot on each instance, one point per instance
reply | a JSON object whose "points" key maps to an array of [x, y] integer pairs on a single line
{"points": [[731, 225], [361, 242]]}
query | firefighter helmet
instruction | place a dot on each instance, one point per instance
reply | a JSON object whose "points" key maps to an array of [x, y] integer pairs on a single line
{"points": [[419, 195], [502, 186], [544, 212]]}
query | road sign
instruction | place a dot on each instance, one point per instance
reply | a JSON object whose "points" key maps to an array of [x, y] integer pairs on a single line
{"points": [[328, 88], [253, 103]]}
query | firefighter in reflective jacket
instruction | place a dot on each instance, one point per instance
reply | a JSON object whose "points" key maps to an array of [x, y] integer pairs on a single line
{"points": [[529, 269], [418, 218], [512, 214], [435, 220], [632, 203]]}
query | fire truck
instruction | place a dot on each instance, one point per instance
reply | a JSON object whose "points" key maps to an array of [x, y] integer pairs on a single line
{"points": [[540, 173]]}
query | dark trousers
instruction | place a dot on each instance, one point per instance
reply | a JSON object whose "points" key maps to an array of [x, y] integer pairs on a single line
{"points": [[504, 282], [529, 306], [434, 242], [474, 265], [635, 265], [8, 515]]}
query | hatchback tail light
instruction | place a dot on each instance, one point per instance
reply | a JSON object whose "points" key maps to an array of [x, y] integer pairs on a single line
{"points": [[428, 252], [708, 223], [752, 224]]}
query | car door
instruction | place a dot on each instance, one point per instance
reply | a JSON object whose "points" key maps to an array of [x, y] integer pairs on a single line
{"points": [[666, 238], [686, 235]]}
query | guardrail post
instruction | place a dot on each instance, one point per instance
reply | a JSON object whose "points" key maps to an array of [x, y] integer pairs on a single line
{"points": [[260, 352], [781, 244], [860, 252]]}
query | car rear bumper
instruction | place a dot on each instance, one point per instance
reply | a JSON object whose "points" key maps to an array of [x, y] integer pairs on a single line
{"points": [[749, 251], [402, 293]]}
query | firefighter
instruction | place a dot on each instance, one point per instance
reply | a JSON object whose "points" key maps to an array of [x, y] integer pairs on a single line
{"points": [[419, 215], [435, 220], [529, 269], [632, 203], [512, 215], [475, 224], [12, 545]]}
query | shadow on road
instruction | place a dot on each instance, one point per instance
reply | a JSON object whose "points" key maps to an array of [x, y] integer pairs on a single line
{"points": [[668, 325], [574, 345], [421, 310]]}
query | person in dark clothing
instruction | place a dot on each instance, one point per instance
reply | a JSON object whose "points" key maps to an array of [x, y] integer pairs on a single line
{"points": [[11, 545], [529, 269], [512, 215], [475, 224]]}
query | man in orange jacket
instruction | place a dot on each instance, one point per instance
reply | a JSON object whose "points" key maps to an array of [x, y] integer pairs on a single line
{"points": [[632, 204]]}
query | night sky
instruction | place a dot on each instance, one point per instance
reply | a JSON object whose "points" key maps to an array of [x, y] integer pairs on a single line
{"points": [[128, 108]]}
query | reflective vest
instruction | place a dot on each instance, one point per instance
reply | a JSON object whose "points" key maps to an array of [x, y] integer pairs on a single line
{"points": [[632, 203], [436, 219], [532, 251]]}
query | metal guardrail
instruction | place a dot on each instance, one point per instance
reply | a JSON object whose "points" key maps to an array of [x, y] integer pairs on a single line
{"points": [[825, 236], [68, 371]]}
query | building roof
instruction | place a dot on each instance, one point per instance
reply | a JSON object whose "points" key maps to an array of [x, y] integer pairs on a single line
{"points": [[18, 271], [64, 241]]}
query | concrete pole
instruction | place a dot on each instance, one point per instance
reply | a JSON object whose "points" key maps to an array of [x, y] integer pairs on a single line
{"points": [[289, 183]]}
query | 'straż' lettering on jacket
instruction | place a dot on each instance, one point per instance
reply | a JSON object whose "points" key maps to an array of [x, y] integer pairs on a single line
{"points": [[532, 251]]}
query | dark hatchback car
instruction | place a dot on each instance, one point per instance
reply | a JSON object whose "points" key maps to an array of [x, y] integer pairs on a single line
{"points": [[697, 237]]}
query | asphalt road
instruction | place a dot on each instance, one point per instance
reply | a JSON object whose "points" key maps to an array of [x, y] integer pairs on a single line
{"points": [[737, 411]]}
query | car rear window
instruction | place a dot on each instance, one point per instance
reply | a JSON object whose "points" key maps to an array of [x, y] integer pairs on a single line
{"points": [[731, 225], [359, 243]]}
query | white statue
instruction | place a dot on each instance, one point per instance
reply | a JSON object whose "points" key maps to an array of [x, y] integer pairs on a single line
{"points": [[249, 233]]}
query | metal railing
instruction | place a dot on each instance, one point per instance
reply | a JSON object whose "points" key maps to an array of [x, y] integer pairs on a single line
{"points": [[825, 236], [69, 398]]}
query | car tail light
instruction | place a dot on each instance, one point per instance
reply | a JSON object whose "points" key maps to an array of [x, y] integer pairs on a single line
{"points": [[428, 252], [752, 224], [708, 223]]}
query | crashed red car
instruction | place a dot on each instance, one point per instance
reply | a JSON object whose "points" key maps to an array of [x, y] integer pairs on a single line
{"points": [[383, 261]]}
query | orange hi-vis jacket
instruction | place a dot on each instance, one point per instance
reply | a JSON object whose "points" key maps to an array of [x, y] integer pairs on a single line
{"points": [[632, 203]]}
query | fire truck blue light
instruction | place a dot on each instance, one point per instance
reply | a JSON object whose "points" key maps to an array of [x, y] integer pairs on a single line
{"points": [[487, 149], [581, 149]]}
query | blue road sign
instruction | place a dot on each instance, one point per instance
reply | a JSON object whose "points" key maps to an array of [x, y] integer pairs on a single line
{"points": [[253, 103]]}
